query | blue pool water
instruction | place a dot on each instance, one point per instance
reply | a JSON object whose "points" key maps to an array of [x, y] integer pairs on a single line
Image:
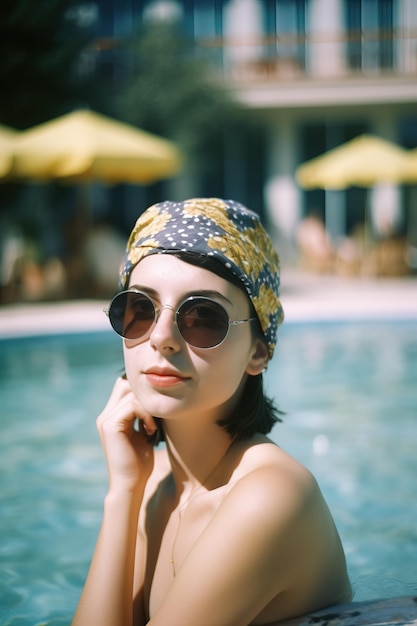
{"points": [[350, 396]]}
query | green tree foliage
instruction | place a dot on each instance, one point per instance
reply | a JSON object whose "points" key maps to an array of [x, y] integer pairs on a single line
{"points": [[170, 91], [39, 48]]}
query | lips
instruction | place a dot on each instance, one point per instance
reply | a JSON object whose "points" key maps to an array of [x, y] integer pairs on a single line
{"points": [[164, 377]]}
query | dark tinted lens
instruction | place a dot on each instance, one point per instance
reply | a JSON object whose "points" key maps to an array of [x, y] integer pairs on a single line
{"points": [[132, 314], [202, 322]]}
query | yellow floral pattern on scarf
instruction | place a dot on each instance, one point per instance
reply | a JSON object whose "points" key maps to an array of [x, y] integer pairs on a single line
{"points": [[149, 224], [215, 210], [266, 301], [136, 254]]}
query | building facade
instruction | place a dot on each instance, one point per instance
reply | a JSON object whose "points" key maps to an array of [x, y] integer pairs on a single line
{"points": [[318, 73]]}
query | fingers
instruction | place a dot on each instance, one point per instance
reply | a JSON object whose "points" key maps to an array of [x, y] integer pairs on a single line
{"points": [[123, 399], [128, 453]]}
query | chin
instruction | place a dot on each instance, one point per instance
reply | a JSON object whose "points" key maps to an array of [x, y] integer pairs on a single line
{"points": [[164, 407]]}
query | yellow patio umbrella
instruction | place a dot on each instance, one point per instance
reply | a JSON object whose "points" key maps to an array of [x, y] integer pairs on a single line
{"points": [[7, 137], [410, 173], [87, 146], [363, 162]]}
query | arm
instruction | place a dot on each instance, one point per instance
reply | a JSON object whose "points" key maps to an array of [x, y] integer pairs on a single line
{"points": [[249, 553], [107, 595]]}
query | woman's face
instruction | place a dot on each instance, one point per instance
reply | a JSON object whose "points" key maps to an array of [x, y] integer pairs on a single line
{"points": [[170, 378]]}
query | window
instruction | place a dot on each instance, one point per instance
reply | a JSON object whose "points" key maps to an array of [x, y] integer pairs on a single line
{"points": [[285, 21], [370, 26]]}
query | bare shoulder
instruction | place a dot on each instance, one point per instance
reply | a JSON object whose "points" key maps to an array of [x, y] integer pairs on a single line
{"points": [[267, 469], [278, 504], [277, 491]]}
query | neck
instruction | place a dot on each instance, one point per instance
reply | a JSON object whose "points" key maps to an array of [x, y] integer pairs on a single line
{"points": [[196, 456]]}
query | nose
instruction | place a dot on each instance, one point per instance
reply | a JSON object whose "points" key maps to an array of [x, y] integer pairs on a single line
{"points": [[165, 335]]}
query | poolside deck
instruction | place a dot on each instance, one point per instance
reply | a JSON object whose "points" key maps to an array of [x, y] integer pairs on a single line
{"points": [[305, 297]]}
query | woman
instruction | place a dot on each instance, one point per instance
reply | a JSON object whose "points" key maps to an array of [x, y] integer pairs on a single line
{"points": [[221, 527]]}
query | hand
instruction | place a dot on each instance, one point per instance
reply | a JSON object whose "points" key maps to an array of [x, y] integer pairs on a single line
{"points": [[129, 455]]}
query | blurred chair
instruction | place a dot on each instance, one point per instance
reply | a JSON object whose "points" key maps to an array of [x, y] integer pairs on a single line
{"points": [[316, 251]]}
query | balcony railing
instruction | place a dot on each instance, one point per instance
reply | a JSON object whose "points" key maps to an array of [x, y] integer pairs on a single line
{"points": [[289, 57]]}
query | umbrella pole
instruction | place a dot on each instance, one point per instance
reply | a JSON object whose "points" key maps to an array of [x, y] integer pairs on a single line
{"points": [[77, 235], [84, 206], [366, 225], [334, 214]]}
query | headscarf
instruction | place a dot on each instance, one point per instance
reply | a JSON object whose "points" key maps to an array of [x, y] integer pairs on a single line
{"points": [[224, 230]]}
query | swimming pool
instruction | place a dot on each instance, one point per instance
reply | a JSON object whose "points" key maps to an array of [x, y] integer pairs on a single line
{"points": [[350, 396]]}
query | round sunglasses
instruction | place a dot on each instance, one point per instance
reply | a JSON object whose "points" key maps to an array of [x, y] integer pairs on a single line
{"points": [[202, 322]]}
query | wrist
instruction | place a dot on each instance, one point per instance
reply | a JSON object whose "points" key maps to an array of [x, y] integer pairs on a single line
{"points": [[127, 494]]}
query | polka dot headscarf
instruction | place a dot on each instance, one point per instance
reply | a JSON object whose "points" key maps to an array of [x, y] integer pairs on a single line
{"points": [[224, 230]]}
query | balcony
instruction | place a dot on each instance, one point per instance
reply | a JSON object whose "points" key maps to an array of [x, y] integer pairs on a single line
{"points": [[357, 68]]}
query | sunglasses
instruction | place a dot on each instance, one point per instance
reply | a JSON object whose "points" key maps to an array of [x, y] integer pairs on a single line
{"points": [[201, 321]]}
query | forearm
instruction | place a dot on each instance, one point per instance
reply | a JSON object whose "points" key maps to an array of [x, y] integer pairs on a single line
{"points": [[107, 595]]}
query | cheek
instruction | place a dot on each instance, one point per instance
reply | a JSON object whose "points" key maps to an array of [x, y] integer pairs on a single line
{"points": [[131, 359], [225, 369], [218, 384]]}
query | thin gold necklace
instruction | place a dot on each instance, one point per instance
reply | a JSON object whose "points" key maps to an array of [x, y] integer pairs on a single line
{"points": [[193, 493]]}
